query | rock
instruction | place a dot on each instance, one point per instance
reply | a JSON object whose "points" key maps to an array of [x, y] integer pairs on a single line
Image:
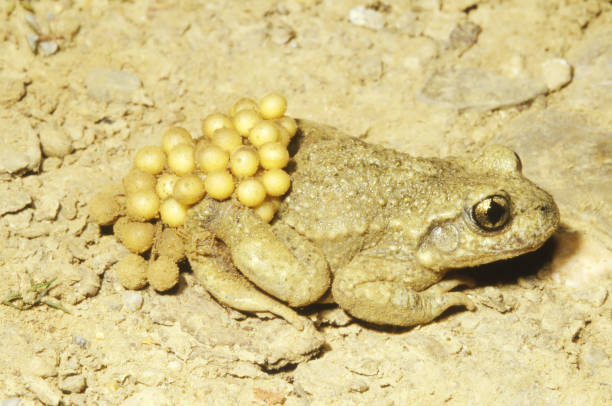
{"points": [[46, 208], [42, 390], [271, 344], [48, 47], [11, 200], [147, 396], [478, 89], [132, 300], [40, 367], [73, 384], [11, 90], [556, 73], [54, 141], [108, 85], [464, 35], [366, 17], [20, 150]]}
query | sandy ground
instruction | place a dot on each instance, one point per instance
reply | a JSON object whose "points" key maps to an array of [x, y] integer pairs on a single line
{"points": [[429, 77]]}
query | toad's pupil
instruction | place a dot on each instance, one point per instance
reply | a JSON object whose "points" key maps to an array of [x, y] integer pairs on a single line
{"points": [[495, 212]]}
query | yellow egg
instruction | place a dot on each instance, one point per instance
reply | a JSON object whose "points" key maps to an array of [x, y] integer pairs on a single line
{"points": [[273, 105], [175, 136], [189, 189], [172, 212], [245, 120], [244, 161], [136, 180], [162, 274], [227, 138], [219, 184], [142, 204], [267, 209], [150, 159], [171, 245], [214, 122], [132, 272], [165, 185], [212, 158], [181, 159], [263, 132], [284, 138], [289, 124], [273, 155], [251, 192], [134, 235], [276, 182], [244, 104]]}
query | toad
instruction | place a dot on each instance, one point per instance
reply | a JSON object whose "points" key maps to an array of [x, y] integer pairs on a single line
{"points": [[369, 228]]}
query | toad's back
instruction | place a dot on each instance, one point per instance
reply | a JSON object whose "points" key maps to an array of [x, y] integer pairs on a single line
{"points": [[342, 188]]}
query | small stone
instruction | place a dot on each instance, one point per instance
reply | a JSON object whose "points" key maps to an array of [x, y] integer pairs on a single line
{"points": [[11, 200], [11, 90], [147, 396], [20, 150], [151, 377], [80, 341], [54, 141], [556, 72], [48, 47], [106, 85], [366, 17], [464, 35], [478, 89], [132, 300], [51, 164], [46, 208], [42, 390], [73, 384], [40, 367]]}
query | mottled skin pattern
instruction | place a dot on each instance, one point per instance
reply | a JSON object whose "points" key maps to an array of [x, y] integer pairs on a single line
{"points": [[369, 228]]}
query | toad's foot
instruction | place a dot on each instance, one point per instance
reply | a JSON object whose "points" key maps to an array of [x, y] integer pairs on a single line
{"points": [[446, 285]]}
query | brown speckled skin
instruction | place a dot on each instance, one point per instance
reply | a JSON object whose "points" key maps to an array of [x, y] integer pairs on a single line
{"points": [[380, 227]]}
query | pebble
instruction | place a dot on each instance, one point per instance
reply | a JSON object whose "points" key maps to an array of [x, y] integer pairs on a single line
{"points": [[42, 390], [54, 141], [73, 384], [12, 201], [20, 150], [48, 47], [11, 90], [556, 72], [366, 17], [478, 89], [147, 396], [46, 208], [132, 300], [10, 402], [80, 341], [106, 85]]}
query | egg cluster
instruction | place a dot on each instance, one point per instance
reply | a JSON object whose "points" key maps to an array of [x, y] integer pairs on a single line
{"points": [[240, 154]]}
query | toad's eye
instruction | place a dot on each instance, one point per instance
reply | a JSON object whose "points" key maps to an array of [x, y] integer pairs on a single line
{"points": [[491, 213]]}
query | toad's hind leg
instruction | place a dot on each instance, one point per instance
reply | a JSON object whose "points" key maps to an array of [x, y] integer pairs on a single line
{"points": [[277, 261], [229, 287]]}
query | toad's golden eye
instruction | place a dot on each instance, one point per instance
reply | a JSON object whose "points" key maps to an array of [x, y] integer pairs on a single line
{"points": [[491, 213]]}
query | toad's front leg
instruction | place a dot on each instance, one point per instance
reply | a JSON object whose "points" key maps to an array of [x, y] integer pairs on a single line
{"points": [[383, 291]]}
